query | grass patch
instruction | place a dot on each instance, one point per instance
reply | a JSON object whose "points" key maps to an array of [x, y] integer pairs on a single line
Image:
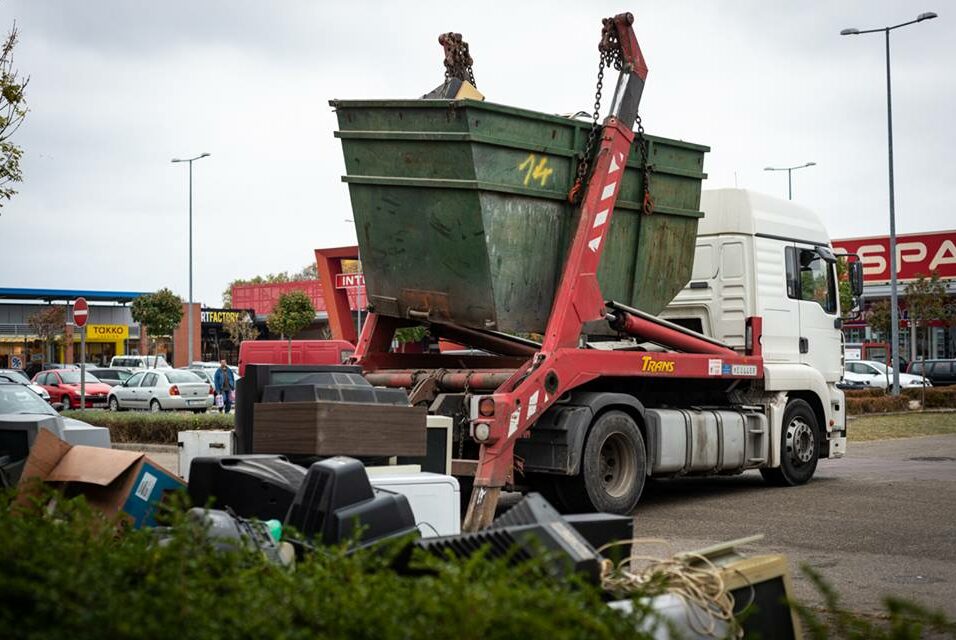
{"points": [[152, 428], [906, 425]]}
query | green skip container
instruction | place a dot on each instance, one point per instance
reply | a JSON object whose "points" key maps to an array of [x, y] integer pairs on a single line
{"points": [[462, 216]]}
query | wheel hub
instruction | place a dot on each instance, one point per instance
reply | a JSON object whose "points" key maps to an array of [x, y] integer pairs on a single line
{"points": [[618, 464], [800, 441]]}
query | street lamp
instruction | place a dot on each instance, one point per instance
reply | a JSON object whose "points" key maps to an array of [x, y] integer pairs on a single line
{"points": [[189, 315], [790, 171], [894, 298], [358, 291]]}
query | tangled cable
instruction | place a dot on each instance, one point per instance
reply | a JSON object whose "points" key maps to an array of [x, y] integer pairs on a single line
{"points": [[691, 577]]}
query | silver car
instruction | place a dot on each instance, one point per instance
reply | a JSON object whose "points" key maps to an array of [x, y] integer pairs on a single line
{"points": [[19, 404], [162, 390], [19, 377]]}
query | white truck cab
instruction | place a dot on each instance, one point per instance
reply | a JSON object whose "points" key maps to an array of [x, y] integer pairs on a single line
{"points": [[759, 256]]}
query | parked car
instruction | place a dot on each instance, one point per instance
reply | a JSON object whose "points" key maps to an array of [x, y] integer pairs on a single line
{"points": [[139, 362], [63, 385], [162, 390], [19, 377], [18, 403], [303, 352], [875, 374], [209, 369], [113, 376], [939, 372]]}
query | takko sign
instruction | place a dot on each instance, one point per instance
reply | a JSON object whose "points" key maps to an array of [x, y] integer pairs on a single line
{"points": [[108, 332], [916, 254]]}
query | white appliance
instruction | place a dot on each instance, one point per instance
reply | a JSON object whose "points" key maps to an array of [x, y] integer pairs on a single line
{"points": [[435, 498], [202, 444]]}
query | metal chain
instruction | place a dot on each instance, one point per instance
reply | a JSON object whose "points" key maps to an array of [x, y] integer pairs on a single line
{"points": [[647, 206], [585, 162], [458, 60]]}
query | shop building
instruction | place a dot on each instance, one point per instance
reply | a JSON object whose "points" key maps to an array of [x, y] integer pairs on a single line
{"points": [[110, 330], [917, 254]]}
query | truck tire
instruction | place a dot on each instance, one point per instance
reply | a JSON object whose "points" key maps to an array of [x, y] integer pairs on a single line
{"points": [[799, 446], [614, 465]]}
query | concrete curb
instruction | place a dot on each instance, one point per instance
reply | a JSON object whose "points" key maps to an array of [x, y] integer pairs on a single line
{"points": [[148, 448]]}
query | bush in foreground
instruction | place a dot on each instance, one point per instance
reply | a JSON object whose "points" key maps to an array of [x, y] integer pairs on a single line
{"points": [[153, 428], [72, 576]]}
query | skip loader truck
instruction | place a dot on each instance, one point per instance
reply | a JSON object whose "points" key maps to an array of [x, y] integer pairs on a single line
{"points": [[617, 323]]}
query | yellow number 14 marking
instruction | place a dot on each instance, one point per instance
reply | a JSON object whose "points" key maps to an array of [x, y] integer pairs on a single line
{"points": [[536, 170]]}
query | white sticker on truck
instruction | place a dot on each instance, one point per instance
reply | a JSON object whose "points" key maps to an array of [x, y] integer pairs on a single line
{"points": [[744, 370], [713, 367], [515, 417]]}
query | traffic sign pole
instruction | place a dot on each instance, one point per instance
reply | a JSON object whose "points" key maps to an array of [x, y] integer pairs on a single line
{"points": [[81, 312], [82, 368]]}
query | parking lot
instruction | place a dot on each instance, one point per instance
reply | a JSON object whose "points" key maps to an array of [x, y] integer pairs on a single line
{"points": [[877, 522]]}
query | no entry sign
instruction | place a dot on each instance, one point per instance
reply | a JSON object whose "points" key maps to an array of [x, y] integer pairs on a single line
{"points": [[349, 280], [81, 312]]}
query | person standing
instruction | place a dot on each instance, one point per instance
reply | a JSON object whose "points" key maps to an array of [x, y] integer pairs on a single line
{"points": [[225, 383]]}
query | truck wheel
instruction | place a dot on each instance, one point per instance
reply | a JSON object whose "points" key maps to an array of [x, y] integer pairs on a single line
{"points": [[614, 466], [799, 446]]}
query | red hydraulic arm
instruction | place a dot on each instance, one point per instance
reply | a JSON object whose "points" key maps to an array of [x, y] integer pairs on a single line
{"points": [[533, 388]]}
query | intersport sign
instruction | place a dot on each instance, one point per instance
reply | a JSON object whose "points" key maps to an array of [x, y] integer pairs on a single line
{"points": [[916, 254]]}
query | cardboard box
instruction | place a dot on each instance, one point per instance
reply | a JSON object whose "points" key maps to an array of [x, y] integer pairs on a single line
{"points": [[112, 481]]}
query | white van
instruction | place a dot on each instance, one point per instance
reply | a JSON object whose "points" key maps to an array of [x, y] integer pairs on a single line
{"points": [[139, 362]]}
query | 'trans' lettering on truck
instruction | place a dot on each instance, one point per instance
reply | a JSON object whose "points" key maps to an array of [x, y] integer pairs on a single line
{"points": [[649, 364]]}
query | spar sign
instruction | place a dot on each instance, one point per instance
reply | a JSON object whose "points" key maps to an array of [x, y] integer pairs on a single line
{"points": [[916, 254], [81, 311]]}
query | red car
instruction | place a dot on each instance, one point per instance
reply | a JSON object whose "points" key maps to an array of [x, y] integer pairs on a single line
{"points": [[64, 386]]}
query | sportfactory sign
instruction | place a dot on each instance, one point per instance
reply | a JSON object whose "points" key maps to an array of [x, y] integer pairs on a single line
{"points": [[218, 316]]}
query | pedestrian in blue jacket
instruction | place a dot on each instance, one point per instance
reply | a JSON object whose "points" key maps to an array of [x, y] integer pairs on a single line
{"points": [[225, 383]]}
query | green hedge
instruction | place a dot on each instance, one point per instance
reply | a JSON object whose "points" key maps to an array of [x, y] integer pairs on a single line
{"points": [[879, 401], [153, 428], [72, 576]]}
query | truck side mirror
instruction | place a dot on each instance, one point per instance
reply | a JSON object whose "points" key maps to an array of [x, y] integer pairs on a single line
{"points": [[856, 278]]}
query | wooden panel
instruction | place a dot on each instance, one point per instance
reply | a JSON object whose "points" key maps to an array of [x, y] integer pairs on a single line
{"points": [[338, 428]]}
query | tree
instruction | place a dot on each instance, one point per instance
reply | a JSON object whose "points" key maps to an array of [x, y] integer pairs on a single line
{"points": [[844, 287], [13, 109], [159, 312], [880, 320], [925, 302], [48, 323], [292, 313], [239, 328]]}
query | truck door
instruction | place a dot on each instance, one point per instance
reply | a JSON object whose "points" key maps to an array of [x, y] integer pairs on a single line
{"points": [[811, 275], [776, 303]]}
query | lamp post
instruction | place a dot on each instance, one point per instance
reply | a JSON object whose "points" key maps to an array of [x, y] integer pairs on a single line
{"points": [[790, 171], [358, 290], [894, 297], [189, 314]]}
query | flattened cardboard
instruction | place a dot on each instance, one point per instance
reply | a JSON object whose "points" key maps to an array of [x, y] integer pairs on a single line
{"points": [[112, 481]]}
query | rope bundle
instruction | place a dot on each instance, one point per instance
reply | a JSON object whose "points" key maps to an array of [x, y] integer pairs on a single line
{"points": [[691, 577]]}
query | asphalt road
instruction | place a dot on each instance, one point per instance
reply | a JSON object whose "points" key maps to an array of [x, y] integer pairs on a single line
{"points": [[879, 521]]}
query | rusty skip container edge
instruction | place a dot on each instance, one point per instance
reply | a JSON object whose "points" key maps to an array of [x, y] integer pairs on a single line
{"points": [[461, 211]]}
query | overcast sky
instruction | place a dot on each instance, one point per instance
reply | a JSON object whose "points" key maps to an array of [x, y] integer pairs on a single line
{"points": [[119, 88]]}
